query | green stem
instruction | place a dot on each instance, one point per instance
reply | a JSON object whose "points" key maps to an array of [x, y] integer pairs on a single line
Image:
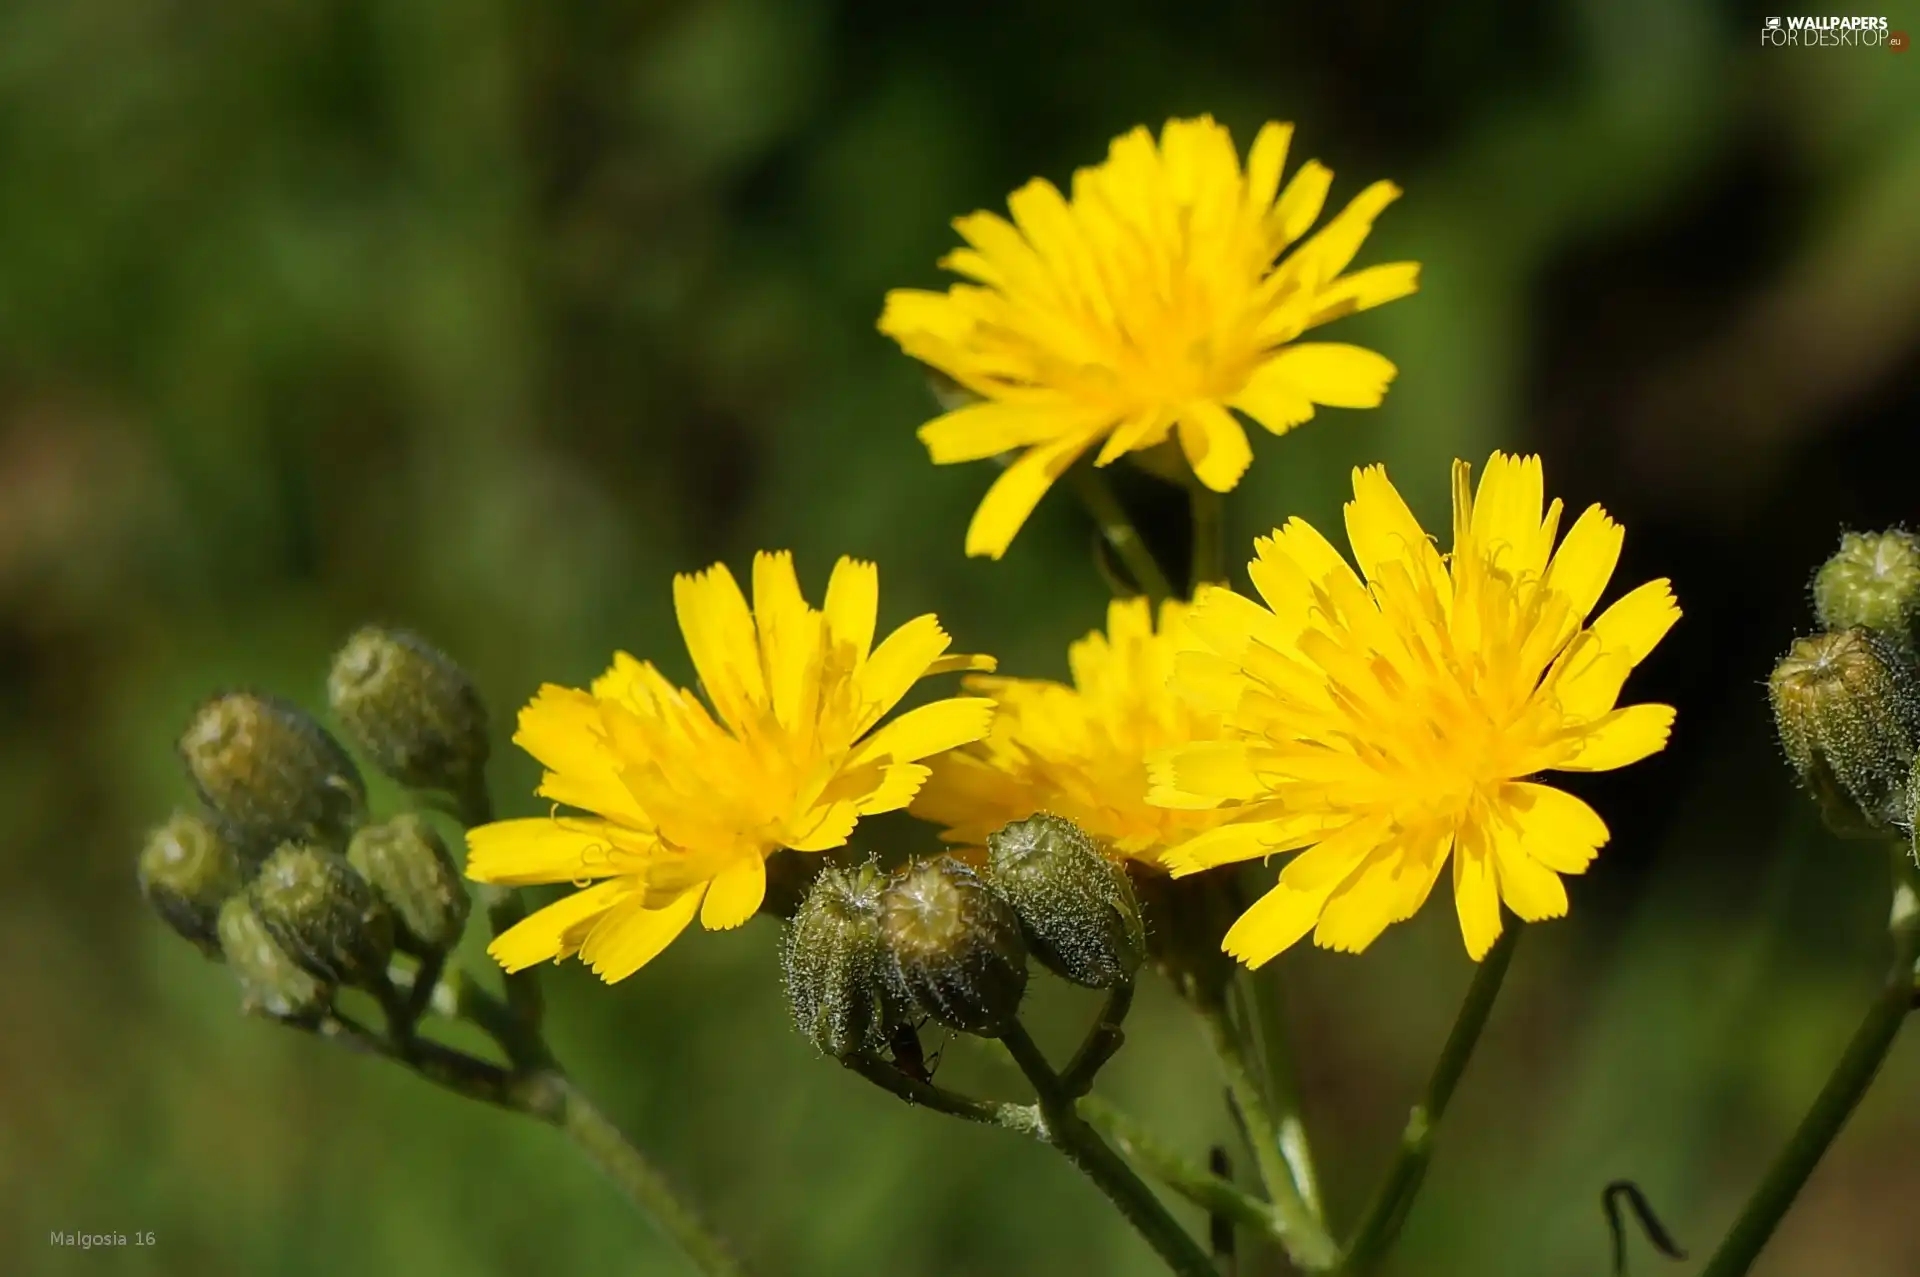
{"points": [[1105, 1038], [1845, 1086], [1381, 1225], [1282, 1087], [504, 905], [1067, 1131], [1210, 1192], [1014, 1117], [553, 1098], [1118, 529], [1209, 510], [1306, 1240]]}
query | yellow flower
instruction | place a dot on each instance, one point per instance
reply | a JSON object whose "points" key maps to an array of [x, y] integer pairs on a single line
{"points": [[1386, 724], [687, 805], [1150, 303], [1080, 751]]}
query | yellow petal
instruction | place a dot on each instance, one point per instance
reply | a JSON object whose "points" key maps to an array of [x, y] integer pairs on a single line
{"points": [[1299, 205], [1533, 891], [853, 605], [988, 429], [1273, 400], [1638, 620], [1215, 444], [631, 935], [962, 662], [1623, 737], [1476, 894], [1018, 490], [1364, 903], [899, 783], [790, 636], [1382, 530], [929, 729], [825, 827], [552, 849], [542, 935], [1363, 290], [1336, 243], [1552, 826], [1222, 845], [1216, 771], [1274, 923], [1325, 372], [720, 638], [1265, 162], [901, 660], [1584, 563], [1507, 513], [735, 894]]}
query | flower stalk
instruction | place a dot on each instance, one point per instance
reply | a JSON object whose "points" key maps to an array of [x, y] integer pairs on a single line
{"points": [[1380, 1226], [1845, 1086], [1117, 527]]}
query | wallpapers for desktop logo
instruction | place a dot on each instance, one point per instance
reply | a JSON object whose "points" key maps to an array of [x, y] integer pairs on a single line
{"points": [[1803, 32]]}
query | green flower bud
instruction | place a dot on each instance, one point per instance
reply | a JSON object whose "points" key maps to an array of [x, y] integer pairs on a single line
{"points": [[839, 979], [956, 946], [271, 773], [411, 870], [187, 871], [324, 915], [270, 981], [1075, 904], [411, 709], [1873, 581], [1848, 710]]}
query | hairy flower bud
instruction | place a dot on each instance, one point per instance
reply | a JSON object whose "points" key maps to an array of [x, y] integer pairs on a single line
{"points": [[1075, 903], [270, 980], [411, 870], [1848, 711], [1872, 581], [956, 946], [324, 915], [187, 871], [838, 976], [271, 773], [412, 710]]}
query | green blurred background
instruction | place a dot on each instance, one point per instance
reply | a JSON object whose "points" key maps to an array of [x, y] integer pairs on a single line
{"points": [[484, 317]]}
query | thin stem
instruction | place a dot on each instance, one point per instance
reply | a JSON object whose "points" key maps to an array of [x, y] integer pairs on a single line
{"points": [[1306, 1240], [1209, 510], [1119, 530], [1016, 1117], [1212, 1193], [1381, 1225], [504, 905], [1282, 1087], [1845, 1086], [1067, 1131], [426, 978], [554, 1098], [1103, 1040]]}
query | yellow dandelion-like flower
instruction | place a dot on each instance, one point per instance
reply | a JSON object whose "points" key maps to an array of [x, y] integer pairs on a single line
{"points": [[1384, 723], [1081, 751], [1149, 304], [688, 804]]}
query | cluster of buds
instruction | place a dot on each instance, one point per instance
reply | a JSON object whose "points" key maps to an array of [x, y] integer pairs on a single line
{"points": [[869, 955], [1847, 700], [278, 869]]}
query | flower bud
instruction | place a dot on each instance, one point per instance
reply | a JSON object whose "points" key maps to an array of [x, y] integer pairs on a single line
{"points": [[187, 871], [411, 709], [1075, 904], [1847, 708], [411, 870], [956, 946], [271, 773], [270, 981], [324, 915], [838, 977], [1873, 581]]}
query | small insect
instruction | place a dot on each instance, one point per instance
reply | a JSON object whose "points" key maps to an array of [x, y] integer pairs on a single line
{"points": [[908, 1056]]}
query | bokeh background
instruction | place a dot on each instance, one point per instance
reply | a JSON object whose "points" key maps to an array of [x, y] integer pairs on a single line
{"points": [[486, 316]]}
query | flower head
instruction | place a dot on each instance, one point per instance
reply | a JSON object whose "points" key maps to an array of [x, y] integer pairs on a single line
{"points": [[1080, 751], [687, 803], [1150, 303], [1383, 723]]}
